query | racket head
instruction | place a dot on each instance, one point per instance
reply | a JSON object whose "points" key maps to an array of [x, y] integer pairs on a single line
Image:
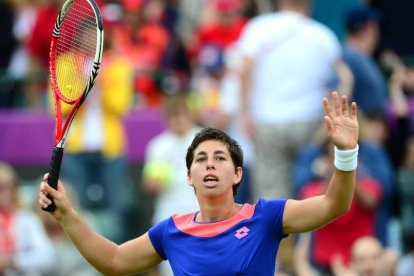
{"points": [[76, 50]]}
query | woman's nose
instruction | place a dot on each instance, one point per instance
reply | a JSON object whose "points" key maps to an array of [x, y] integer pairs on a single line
{"points": [[210, 163]]}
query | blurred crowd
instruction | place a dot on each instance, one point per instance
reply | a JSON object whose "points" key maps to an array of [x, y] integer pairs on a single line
{"points": [[259, 70]]}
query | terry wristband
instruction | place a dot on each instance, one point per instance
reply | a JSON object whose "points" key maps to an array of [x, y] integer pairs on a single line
{"points": [[346, 160]]}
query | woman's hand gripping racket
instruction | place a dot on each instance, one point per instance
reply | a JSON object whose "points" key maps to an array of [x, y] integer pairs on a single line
{"points": [[75, 58]]}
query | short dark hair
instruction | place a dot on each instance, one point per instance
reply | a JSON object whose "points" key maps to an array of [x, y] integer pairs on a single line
{"points": [[216, 134], [357, 17]]}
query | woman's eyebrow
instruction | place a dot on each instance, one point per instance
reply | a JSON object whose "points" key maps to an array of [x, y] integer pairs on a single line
{"points": [[215, 152], [201, 153]]}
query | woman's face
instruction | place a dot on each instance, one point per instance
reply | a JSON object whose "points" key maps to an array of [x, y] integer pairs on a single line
{"points": [[212, 172]]}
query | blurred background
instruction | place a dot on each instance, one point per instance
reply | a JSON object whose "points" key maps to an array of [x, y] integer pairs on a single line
{"points": [[171, 67]]}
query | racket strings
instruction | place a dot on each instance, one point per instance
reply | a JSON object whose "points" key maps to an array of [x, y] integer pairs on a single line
{"points": [[90, 45], [76, 49]]}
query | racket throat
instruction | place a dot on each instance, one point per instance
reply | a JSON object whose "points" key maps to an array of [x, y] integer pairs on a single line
{"points": [[61, 143]]}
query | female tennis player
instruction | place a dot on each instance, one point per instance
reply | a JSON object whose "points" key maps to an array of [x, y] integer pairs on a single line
{"points": [[223, 238]]}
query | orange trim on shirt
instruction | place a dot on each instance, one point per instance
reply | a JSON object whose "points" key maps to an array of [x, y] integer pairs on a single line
{"points": [[186, 223]]}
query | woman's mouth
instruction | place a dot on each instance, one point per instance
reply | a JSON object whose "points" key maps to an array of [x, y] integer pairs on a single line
{"points": [[210, 180]]}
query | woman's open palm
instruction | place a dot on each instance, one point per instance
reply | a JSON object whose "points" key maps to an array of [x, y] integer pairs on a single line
{"points": [[341, 122]]}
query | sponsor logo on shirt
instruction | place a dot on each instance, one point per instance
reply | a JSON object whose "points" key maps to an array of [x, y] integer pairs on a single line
{"points": [[242, 232]]}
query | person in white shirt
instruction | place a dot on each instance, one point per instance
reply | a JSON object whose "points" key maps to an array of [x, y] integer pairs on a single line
{"points": [[165, 151], [288, 64], [164, 168]]}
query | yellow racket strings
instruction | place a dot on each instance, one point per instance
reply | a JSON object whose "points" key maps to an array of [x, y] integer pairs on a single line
{"points": [[76, 49]]}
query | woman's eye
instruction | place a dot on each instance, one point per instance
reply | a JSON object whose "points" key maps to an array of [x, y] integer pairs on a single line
{"points": [[201, 159], [220, 158]]}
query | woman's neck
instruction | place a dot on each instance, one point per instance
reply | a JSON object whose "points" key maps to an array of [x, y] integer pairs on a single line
{"points": [[216, 211]]}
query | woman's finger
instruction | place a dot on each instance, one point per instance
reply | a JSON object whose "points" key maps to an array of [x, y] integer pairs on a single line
{"points": [[44, 201], [336, 103], [345, 111], [353, 110], [327, 106]]}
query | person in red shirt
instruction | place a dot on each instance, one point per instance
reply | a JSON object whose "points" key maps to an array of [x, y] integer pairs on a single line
{"points": [[39, 40], [223, 30], [38, 45], [141, 36], [226, 29], [335, 240]]}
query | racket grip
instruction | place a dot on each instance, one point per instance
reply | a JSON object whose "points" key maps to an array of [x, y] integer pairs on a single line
{"points": [[53, 178]]}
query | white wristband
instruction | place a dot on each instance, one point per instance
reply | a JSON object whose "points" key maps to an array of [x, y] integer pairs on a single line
{"points": [[346, 160]]}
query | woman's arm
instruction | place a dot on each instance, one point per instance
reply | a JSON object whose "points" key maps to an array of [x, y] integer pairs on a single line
{"points": [[107, 257], [312, 213]]}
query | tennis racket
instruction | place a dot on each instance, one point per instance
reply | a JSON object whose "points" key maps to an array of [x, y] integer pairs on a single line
{"points": [[75, 58]]}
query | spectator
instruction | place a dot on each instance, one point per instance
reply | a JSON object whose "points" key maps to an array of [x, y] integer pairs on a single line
{"points": [[39, 40], [379, 166], [278, 67], [370, 86], [401, 111], [280, 91], [162, 156], [389, 137], [326, 244], [163, 173], [25, 248], [24, 83], [369, 258], [222, 31], [38, 44], [25, 17], [141, 36]]}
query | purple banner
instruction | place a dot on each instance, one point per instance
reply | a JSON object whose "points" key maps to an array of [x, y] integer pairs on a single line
{"points": [[26, 136]]}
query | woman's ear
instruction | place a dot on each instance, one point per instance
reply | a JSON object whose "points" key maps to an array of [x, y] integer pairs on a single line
{"points": [[189, 181], [238, 175]]}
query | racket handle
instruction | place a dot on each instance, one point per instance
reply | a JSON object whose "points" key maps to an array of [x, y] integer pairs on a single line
{"points": [[53, 178]]}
